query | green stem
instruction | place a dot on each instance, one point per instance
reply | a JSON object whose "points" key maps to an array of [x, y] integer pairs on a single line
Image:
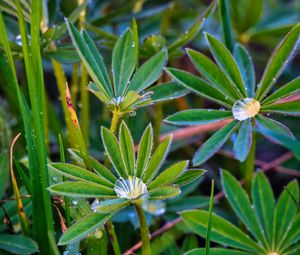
{"points": [[109, 225], [249, 165], [157, 123], [146, 248]]}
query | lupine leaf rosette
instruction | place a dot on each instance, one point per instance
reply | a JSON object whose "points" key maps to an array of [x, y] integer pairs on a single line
{"points": [[134, 178], [270, 227], [231, 83]]}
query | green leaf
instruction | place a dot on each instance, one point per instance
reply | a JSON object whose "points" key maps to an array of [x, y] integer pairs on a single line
{"points": [[149, 72], [246, 67], [225, 21], [187, 203], [78, 173], [91, 58], [165, 192], [243, 141], [197, 117], [189, 176], [17, 244], [268, 123], [210, 210], [264, 203], [127, 149], [199, 86], [157, 160], [144, 151], [214, 143], [289, 108], [84, 227], [167, 91], [227, 63], [278, 61], [285, 212], [288, 89], [111, 206], [124, 59], [240, 203], [168, 175], [82, 189], [216, 251], [292, 236], [213, 73], [129, 100], [192, 32], [222, 231], [113, 151]]}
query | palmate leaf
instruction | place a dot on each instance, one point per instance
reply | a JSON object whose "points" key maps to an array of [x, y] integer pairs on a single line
{"points": [[168, 175], [289, 108], [157, 159], [82, 189], [145, 149], [243, 141], [227, 63], [246, 67], [289, 89], [216, 251], [113, 151], [198, 117], [18, 244], [84, 227], [278, 61], [124, 59], [127, 149], [241, 205], [264, 203], [91, 58], [222, 231], [199, 86], [284, 214], [214, 143], [149, 72], [78, 173], [214, 74], [167, 91]]}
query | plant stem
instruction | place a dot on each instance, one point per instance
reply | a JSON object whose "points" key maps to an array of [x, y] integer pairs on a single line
{"points": [[109, 225], [157, 123], [146, 248], [249, 165]]}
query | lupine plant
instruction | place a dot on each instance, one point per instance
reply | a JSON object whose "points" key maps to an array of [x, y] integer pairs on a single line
{"points": [[132, 182], [270, 228]]}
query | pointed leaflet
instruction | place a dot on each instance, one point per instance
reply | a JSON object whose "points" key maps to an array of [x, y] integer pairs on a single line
{"points": [[164, 192], [84, 227], [278, 61], [289, 108], [78, 173], [167, 91], [289, 89], [214, 74], [157, 159], [144, 151], [214, 143], [199, 86], [82, 189], [168, 175], [285, 211], [127, 149], [88, 55], [124, 59], [240, 203], [197, 117], [227, 63], [222, 231], [246, 67], [188, 176], [113, 205], [243, 141], [149, 72], [17, 244], [292, 235], [113, 151], [264, 203]]}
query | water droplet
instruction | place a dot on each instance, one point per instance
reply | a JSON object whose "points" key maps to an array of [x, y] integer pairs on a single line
{"points": [[133, 44], [245, 108], [75, 202], [131, 188]]}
